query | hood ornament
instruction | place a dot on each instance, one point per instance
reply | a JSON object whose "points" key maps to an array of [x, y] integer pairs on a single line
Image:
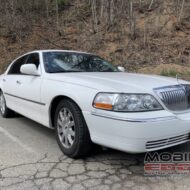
{"points": [[177, 78], [183, 86]]}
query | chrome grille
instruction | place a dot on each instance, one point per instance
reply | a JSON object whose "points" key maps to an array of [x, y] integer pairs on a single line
{"points": [[175, 97], [151, 145]]}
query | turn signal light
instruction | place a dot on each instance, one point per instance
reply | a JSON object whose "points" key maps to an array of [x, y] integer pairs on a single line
{"points": [[103, 106]]}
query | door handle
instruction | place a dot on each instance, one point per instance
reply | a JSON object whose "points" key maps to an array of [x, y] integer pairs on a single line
{"points": [[18, 82]]}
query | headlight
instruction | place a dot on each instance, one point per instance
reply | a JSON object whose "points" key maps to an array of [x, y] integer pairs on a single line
{"points": [[126, 102]]}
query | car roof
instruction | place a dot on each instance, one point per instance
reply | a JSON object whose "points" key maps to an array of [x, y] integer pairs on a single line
{"points": [[56, 50], [52, 50]]}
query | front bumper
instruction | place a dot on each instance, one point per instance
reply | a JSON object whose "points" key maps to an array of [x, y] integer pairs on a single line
{"points": [[141, 132]]}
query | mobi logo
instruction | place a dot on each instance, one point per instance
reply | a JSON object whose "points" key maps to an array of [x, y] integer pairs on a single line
{"points": [[165, 163]]}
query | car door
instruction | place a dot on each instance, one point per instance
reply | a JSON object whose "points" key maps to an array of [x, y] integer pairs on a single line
{"points": [[9, 81], [26, 95]]}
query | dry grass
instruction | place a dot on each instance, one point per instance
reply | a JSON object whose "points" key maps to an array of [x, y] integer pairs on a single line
{"points": [[170, 70], [166, 53]]}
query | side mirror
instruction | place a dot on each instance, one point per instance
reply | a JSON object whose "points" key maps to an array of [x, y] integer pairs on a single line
{"points": [[122, 69], [29, 69]]}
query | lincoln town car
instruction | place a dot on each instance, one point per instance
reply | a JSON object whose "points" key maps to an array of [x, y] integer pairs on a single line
{"points": [[88, 101]]}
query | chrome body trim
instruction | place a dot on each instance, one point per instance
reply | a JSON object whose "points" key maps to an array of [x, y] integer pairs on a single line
{"points": [[139, 120], [175, 98], [160, 143], [40, 103]]}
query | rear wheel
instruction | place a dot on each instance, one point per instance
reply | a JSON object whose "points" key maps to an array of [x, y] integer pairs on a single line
{"points": [[4, 111], [71, 130]]}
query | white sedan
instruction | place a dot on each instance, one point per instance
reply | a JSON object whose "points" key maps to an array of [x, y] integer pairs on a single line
{"points": [[86, 99]]}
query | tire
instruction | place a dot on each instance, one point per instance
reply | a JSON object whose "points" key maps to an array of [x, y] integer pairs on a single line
{"points": [[72, 133], [5, 112]]}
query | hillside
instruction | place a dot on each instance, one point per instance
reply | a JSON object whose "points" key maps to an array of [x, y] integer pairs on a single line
{"points": [[150, 36]]}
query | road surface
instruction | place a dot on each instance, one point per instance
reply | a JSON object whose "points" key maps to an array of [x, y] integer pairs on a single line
{"points": [[30, 160]]}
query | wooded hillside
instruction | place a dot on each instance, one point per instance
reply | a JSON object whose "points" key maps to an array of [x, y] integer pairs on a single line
{"points": [[150, 36]]}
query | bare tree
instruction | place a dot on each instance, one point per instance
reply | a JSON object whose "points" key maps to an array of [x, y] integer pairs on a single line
{"points": [[111, 11], [94, 15], [132, 24], [57, 13], [47, 8], [181, 11], [150, 5], [145, 39]]}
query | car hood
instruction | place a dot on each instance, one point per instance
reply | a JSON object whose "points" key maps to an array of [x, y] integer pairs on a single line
{"points": [[117, 81]]}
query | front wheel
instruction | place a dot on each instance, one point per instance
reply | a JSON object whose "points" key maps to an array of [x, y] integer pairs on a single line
{"points": [[4, 110], [71, 130]]}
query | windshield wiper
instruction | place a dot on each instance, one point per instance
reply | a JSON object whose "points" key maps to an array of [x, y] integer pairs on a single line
{"points": [[69, 71]]}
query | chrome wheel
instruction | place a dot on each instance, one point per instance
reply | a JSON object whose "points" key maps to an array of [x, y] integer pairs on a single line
{"points": [[71, 130], [66, 127], [2, 104]]}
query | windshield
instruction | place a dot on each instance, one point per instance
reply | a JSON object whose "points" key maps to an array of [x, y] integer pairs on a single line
{"points": [[56, 62]]}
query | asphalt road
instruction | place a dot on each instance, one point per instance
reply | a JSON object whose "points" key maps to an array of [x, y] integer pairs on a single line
{"points": [[30, 160]]}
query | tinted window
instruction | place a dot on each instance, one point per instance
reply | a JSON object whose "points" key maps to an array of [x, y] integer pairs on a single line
{"points": [[27, 59], [56, 62], [15, 68], [33, 59]]}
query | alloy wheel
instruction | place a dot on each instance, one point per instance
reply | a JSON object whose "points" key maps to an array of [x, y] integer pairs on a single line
{"points": [[66, 127], [2, 104]]}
